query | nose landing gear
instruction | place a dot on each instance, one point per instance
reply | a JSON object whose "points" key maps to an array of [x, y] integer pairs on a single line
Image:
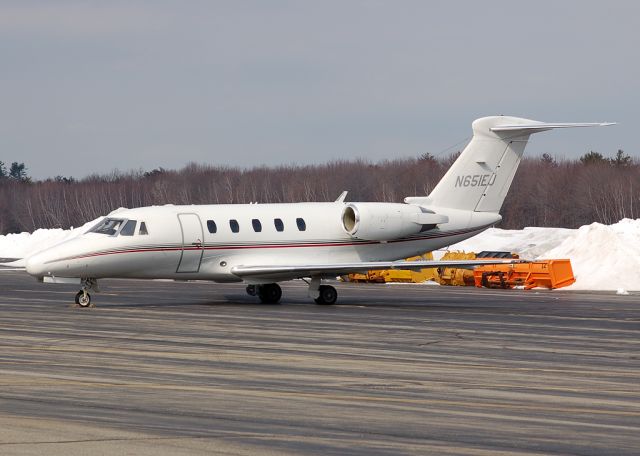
{"points": [[83, 298]]}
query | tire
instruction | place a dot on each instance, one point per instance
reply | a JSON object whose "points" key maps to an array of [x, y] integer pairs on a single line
{"points": [[83, 300], [251, 290], [270, 293], [328, 295]]}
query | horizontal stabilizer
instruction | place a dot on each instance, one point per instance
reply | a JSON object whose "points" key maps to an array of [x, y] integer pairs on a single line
{"points": [[535, 127]]}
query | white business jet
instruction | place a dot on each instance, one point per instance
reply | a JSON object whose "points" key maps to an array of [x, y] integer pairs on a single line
{"points": [[262, 244]]}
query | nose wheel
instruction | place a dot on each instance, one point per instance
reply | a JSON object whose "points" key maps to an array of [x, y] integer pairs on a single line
{"points": [[83, 299]]}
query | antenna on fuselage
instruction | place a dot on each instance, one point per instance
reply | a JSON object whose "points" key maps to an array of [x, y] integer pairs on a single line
{"points": [[342, 196]]}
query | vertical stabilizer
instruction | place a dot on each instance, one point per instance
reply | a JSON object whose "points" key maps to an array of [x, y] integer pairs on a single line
{"points": [[480, 178]]}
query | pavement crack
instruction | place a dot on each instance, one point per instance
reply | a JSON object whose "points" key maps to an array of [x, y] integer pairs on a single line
{"points": [[114, 439]]}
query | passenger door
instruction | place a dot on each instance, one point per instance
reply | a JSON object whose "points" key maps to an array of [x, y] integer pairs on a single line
{"points": [[192, 243]]}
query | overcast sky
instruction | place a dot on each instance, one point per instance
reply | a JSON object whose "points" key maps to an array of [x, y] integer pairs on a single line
{"points": [[91, 86]]}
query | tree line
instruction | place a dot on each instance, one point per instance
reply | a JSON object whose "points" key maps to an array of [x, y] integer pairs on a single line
{"points": [[545, 191]]}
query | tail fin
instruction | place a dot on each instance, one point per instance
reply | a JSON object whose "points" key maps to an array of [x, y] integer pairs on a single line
{"points": [[480, 178]]}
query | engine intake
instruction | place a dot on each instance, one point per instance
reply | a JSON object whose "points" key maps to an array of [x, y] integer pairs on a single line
{"points": [[387, 221]]}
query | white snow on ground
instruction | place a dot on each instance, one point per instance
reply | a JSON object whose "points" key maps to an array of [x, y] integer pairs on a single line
{"points": [[529, 243], [22, 245], [603, 257]]}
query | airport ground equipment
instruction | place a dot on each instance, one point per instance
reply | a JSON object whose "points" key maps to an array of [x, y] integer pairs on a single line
{"points": [[444, 276], [465, 277], [456, 276], [360, 277], [398, 275], [535, 274], [527, 274]]}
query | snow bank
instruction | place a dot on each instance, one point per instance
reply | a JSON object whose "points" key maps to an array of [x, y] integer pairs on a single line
{"points": [[22, 245], [529, 243], [603, 257]]}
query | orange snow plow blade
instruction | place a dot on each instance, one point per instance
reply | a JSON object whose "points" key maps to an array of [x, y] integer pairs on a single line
{"points": [[544, 274]]}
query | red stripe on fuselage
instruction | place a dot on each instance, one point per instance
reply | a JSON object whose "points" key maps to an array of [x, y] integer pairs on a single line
{"points": [[275, 246]]}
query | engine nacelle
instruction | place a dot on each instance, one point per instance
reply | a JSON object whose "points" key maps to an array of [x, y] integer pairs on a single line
{"points": [[387, 221]]}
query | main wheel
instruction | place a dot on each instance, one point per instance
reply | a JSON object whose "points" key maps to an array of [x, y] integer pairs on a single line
{"points": [[328, 295], [270, 293], [83, 299]]}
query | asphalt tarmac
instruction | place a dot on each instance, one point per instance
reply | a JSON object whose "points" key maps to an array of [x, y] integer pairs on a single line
{"points": [[170, 368]]}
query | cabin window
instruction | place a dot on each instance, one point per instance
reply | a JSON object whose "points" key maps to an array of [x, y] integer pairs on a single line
{"points": [[257, 226], [211, 226], [108, 226], [143, 229], [233, 224], [301, 225], [278, 224], [129, 228]]}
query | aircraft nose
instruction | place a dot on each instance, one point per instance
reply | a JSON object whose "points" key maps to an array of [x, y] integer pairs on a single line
{"points": [[56, 260], [45, 262], [35, 265]]}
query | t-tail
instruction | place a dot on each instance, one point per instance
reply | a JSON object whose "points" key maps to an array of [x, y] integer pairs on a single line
{"points": [[481, 176]]}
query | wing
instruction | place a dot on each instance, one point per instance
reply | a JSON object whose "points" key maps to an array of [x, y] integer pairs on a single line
{"points": [[288, 272]]}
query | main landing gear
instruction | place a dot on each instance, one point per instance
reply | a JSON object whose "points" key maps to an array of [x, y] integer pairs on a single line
{"points": [[83, 298], [326, 295], [322, 294], [270, 293]]}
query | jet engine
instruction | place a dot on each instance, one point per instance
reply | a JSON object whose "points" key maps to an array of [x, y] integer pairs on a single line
{"points": [[387, 221]]}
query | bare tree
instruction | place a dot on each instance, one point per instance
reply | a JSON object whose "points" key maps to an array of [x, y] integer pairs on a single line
{"points": [[545, 191]]}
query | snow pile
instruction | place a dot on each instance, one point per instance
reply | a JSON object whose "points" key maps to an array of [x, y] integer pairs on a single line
{"points": [[22, 245], [603, 257], [530, 243]]}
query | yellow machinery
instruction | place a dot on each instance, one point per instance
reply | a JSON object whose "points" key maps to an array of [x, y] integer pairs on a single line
{"points": [[546, 273], [398, 275], [464, 277], [456, 276]]}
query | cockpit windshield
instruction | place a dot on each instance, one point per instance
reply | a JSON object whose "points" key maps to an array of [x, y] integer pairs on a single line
{"points": [[129, 228], [108, 226]]}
